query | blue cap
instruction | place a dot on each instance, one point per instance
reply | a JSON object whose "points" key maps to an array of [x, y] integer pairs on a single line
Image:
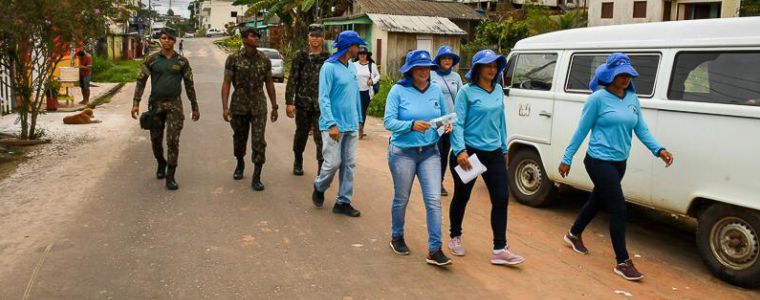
{"points": [[345, 40], [446, 51], [416, 58], [617, 63], [484, 57]]}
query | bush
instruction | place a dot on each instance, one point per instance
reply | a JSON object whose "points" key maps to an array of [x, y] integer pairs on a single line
{"points": [[121, 71], [377, 106], [100, 64]]}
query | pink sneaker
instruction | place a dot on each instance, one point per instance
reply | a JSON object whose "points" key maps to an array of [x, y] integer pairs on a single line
{"points": [[456, 247], [506, 257]]}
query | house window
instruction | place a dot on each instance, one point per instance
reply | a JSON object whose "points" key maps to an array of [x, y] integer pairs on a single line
{"points": [[639, 9], [607, 8], [233, 14]]}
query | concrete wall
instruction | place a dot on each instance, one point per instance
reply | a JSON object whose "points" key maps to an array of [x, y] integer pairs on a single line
{"points": [[217, 13], [623, 12]]}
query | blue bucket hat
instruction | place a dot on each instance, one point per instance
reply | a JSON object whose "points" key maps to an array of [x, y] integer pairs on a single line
{"points": [[446, 51], [415, 58], [617, 63], [484, 57], [345, 40]]}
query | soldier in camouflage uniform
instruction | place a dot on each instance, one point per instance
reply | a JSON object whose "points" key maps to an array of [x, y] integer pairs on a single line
{"points": [[166, 69], [301, 95], [248, 70]]}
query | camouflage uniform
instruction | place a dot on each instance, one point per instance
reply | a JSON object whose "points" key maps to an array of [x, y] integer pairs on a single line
{"points": [[303, 92], [249, 106], [166, 75]]}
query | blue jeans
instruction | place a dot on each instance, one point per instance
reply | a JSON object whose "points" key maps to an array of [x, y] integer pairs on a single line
{"points": [[425, 163], [339, 156]]}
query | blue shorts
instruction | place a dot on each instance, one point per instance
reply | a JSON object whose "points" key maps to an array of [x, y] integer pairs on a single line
{"points": [[84, 82]]}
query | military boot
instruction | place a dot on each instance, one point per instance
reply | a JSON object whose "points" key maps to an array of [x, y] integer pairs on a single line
{"points": [[171, 184], [161, 169], [298, 165], [238, 174], [256, 181]]}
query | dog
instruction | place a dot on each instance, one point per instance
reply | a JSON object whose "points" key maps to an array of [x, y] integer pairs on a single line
{"points": [[84, 117]]}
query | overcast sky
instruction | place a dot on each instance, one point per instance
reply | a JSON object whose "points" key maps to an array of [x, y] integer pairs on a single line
{"points": [[178, 6]]}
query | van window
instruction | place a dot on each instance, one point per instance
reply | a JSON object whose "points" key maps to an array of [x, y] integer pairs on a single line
{"points": [[717, 77], [583, 67], [532, 71]]}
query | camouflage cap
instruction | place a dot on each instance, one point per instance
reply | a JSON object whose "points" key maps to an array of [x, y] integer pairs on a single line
{"points": [[316, 29], [245, 30]]}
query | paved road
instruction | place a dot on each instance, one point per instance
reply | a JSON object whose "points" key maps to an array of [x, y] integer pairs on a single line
{"points": [[114, 232]]}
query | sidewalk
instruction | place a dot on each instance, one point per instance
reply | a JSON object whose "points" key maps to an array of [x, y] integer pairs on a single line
{"points": [[97, 89]]}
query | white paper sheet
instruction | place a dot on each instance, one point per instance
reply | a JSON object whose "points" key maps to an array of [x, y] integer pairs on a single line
{"points": [[477, 169]]}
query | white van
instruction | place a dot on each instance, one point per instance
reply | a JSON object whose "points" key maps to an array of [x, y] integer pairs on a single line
{"points": [[699, 87]]}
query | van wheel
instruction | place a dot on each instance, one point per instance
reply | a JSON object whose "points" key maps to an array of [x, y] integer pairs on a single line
{"points": [[727, 238], [528, 181]]}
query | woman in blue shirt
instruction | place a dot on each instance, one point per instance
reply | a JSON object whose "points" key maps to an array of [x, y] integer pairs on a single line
{"points": [[481, 130], [413, 150], [611, 114], [449, 82]]}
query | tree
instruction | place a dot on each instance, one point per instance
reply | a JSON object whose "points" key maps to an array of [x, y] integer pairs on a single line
{"points": [[750, 8], [35, 36], [296, 14], [170, 12], [502, 35]]}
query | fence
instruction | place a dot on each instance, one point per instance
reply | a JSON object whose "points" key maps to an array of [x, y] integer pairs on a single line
{"points": [[6, 94]]}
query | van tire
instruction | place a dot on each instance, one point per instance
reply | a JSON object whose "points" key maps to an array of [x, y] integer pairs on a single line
{"points": [[738, 264], [528, 181]]}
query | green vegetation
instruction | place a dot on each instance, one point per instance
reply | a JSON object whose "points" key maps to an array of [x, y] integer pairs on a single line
{"points": [[104, 70], [377, 106]]}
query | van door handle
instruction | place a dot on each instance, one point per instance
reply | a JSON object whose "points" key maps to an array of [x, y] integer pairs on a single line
{"points": [[544, 113]]}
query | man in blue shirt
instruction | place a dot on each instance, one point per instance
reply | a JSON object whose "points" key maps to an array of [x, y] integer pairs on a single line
{"points": [[339, 122]]}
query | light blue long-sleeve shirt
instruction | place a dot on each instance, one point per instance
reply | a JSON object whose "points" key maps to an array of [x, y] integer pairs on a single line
{"points": [[339, 97], [480, 120], [406, 104], [449, 84], [611, 121]]}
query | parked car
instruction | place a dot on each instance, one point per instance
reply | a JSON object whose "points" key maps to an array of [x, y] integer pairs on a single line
{"points": [[214, 32], [278, 64], [189, 35], [699, 88]]}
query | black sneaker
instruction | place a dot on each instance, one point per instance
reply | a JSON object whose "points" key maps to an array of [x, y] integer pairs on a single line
{"points": [[317, 197], [399, 246], [628, 271], [576, 243], [346, 209], [438, 258]]}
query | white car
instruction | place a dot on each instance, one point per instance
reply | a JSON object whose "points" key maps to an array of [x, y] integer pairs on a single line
{"points": [[699, 88], [189, 35], [278, 64], [214, 32]]}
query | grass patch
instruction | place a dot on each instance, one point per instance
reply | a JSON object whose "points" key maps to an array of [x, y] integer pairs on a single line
{"points": [[119, 71]]}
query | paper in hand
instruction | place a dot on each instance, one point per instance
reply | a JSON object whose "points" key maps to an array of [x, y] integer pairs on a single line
{"points": [[441, 122], [477, 169]]}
